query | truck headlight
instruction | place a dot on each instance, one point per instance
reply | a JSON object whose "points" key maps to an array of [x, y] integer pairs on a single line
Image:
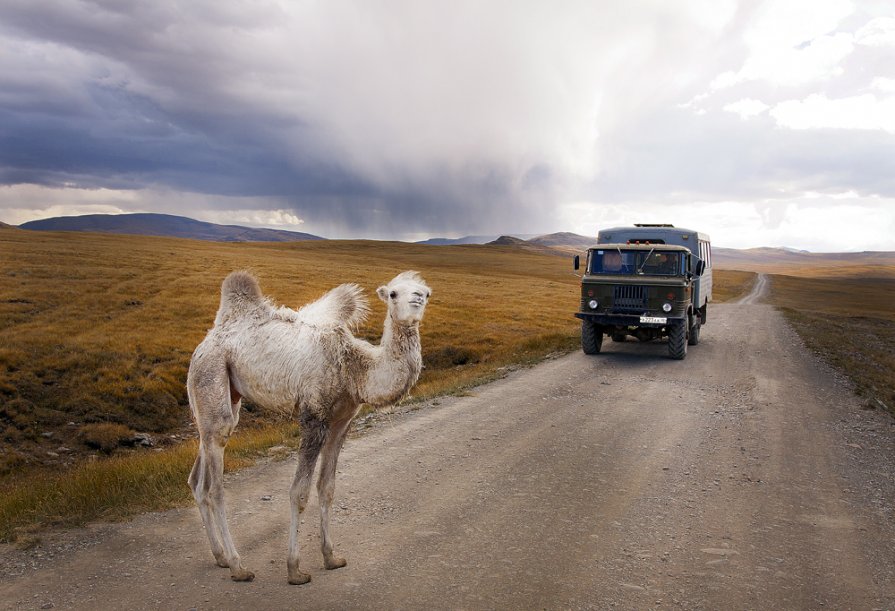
{"points": [[666, 307], [592, 304]]}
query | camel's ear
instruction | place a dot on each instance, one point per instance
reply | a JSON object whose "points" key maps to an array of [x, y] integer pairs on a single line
{"points": [[382, 291]]}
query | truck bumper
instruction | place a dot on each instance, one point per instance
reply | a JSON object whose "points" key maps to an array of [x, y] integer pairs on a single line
{"points": [[629, 320]]}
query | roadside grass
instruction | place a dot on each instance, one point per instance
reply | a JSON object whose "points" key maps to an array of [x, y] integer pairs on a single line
{"points": [[848, 321], [122, 486], [731, 284], [96, 333]]}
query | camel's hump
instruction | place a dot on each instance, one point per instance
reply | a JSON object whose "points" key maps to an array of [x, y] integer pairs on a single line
{"points": [[240, 290], [343, 305]]}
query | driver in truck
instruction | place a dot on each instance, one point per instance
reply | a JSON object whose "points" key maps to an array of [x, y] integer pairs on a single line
{"points": [[612, 261]]}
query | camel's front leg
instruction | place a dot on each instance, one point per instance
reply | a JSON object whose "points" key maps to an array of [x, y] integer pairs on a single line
{"points": [[326, 487], [313, 433]]}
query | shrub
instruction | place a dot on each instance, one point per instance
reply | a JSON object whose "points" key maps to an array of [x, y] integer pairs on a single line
{"points": [[105, 436], [449, 356]]}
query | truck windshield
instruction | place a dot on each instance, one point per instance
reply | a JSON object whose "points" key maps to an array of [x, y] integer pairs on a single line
{"points": [[651, 262]]}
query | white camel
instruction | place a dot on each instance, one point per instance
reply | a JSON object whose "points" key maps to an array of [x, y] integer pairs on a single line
{"points": [[306, 363]]}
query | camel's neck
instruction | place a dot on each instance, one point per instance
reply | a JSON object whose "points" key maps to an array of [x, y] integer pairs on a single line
{"points": [[395, 366]]}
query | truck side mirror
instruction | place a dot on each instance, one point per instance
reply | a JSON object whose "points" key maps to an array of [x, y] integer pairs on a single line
{"points": [[577, 263], [700, 267]]}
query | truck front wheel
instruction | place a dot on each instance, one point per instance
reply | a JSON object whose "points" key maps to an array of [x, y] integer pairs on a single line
{"points": [[677, 341], [591, 337]]}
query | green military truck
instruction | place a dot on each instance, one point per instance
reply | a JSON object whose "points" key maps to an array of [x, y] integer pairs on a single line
{"points": [[646, 282]]}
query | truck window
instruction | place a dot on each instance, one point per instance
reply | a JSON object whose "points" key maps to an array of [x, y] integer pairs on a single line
{"points": [[650, 262]]}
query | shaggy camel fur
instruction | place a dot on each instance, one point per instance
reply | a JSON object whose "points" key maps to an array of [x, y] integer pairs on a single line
{"points": [[305, 362]]}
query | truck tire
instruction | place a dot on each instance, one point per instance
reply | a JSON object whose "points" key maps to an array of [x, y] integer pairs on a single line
{"points": [[694, 331], [677, 342], [591, 337]]}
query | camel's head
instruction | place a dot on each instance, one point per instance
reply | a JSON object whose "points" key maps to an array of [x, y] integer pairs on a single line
{"points": [[406, 295]]}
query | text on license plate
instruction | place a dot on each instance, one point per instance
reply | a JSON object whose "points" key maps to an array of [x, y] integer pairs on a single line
{"points": [[659, 320]]}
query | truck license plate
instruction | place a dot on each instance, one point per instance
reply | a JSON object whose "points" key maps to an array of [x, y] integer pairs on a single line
{"points": [[658, 320]]}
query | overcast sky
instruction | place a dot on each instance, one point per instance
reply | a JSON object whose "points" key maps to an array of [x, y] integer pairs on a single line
{"points": [[761, 123]]}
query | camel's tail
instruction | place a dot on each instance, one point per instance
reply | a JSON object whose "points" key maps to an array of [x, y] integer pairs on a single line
{"points": [[239, 294]]}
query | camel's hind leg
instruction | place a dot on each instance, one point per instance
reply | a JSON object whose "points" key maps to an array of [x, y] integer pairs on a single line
{"points": [[326, 487], [216, 412], [199, 483], [313, 434]]}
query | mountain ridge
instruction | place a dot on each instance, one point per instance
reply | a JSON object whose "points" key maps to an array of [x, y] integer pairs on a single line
{"points": [[165, 225]]}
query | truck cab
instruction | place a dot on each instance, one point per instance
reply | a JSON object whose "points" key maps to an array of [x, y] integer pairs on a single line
{"points": [[651, 285]]}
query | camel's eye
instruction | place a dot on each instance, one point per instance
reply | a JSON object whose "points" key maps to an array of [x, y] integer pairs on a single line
{"points": [[393, 294]]}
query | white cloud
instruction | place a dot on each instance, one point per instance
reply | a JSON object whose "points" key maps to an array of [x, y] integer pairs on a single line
{"points": [[855, 112], [784, 24], [879, 32], [23, 203], [792, 42], [817, 60], [747, 108], [817, 222], [886, 85], [285, 219]]}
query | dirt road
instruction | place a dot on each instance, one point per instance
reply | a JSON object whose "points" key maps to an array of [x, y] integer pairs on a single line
{"points": [[744, 477]]}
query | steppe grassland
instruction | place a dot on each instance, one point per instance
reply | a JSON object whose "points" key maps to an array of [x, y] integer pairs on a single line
{"points": [[731, 284], [98, 329], [849, 320]]}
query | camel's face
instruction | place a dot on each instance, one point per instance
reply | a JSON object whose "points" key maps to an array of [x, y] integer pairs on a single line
{"points": [[406, 296]]}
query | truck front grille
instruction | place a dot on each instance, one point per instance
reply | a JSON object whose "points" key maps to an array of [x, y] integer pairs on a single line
{"points": [[626, 298]]}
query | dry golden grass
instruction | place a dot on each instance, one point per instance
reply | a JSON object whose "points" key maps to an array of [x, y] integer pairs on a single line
{"points": [[96, 333], [849, 320], [100, 328], [826, 265], [118, 487], [731, 284]]}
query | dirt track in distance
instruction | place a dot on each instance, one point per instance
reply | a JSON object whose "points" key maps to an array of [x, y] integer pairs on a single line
{"points": [[746, 476]]}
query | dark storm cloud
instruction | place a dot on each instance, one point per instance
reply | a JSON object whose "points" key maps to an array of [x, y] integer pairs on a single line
{"points": [[183, 96], [203, 97]]}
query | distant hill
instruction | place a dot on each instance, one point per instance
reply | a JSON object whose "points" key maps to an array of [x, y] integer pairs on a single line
{"points": [[563, 243], [165, 225], [470, 239], [786, 260], [507, 240], [5, 226], [565, 239], [769, 260]]}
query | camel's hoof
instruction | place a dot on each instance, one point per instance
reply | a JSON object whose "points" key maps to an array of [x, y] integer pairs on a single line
{"points": [[334, 562], [298, 579], [222, 563], [242, 575]]}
